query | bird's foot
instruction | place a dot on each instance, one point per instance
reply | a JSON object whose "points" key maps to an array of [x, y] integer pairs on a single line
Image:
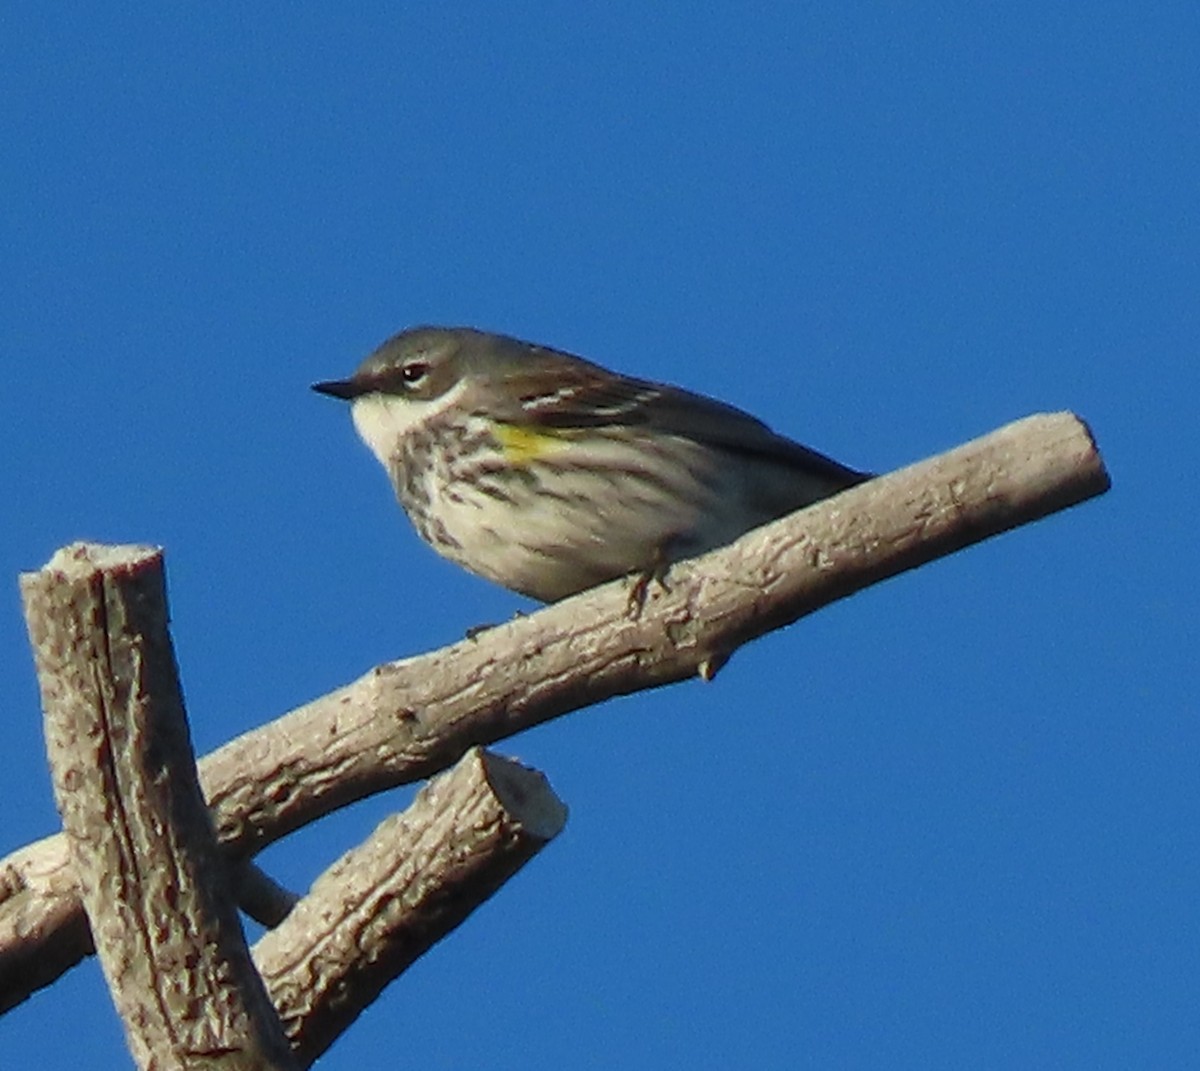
{"points": [[639, 589]]}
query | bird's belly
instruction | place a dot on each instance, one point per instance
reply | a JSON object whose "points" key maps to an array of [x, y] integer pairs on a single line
{"points": [[557, 526]]}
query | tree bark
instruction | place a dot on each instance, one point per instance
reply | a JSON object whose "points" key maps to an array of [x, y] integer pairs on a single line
{"points": [[152, 878], [386, 902]]}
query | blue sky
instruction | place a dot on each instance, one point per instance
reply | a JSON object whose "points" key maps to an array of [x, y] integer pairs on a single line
{"points": [[950, 822]]}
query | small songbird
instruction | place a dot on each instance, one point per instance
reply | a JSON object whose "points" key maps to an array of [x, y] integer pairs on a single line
{"points": [[549, 474]]}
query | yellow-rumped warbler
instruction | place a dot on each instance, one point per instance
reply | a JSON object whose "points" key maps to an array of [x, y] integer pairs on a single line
{"points": [[549, 474]]}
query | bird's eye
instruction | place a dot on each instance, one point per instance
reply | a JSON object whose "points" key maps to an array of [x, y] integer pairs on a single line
{"points": [[413, 372]]}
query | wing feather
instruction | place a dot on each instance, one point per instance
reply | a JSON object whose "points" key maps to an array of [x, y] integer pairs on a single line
{"points": [[591, 396]]}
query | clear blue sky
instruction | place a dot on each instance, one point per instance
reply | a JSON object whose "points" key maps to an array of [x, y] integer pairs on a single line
{"points": [[951, 822]]}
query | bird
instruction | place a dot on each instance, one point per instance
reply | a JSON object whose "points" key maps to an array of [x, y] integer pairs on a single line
{"points": [[548, 474]]}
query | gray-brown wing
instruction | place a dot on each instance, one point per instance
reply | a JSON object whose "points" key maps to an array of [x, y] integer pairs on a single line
{"points": [[590, 396]]}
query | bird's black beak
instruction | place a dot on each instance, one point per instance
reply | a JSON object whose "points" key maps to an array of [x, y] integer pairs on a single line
{"points": [[346, 389]]}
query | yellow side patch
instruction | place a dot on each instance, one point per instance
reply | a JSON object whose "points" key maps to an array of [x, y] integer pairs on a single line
{"points": [[522, 445]]}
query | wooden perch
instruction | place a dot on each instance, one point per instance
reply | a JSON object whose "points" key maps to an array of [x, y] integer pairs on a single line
{"points": [[261, 896], [151, 875], [158, 891], [406, 720], [409, 884]]}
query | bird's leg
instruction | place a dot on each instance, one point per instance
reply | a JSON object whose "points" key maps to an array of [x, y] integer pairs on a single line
{"points": [[654, 573]]}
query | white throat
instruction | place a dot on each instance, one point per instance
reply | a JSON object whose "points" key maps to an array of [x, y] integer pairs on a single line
{"points": [[384, 420]]}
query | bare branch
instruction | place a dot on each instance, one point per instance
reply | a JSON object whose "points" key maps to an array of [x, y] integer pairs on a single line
{"points": [[416, 878], [406, 720], [43, 930], [261, 896], [152, 877]]}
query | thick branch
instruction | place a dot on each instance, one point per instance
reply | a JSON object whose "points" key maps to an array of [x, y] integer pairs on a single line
{"points": [[386, 902], [406, 720], [151, 875]]}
